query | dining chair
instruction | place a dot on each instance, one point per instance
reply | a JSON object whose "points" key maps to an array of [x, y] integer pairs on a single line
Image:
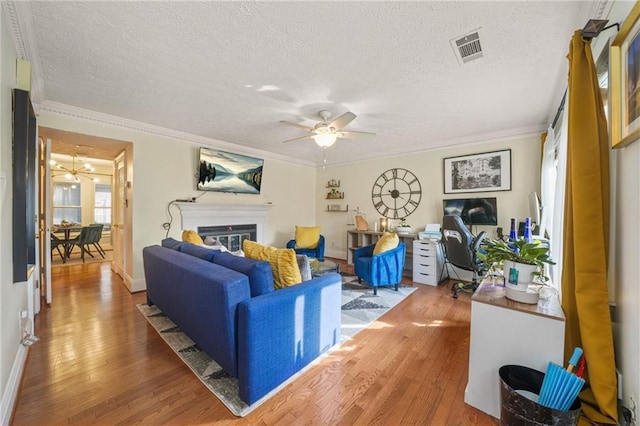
{"points": [[89, 235], [55, 245], [97, 245]]}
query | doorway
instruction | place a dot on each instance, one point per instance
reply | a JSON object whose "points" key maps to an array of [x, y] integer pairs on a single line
{"points": [[80, 190]]}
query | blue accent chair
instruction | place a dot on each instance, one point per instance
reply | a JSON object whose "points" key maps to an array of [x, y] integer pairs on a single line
{"points": [[384, 269], [317, 252]]}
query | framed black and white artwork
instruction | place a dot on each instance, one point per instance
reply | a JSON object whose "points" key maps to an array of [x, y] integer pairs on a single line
{"points": [[484, 172]]}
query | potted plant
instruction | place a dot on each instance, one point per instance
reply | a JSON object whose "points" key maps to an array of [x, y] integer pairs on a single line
{"points": [[521, 262], [403, 227]]}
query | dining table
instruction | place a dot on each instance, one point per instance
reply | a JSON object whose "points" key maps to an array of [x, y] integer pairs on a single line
{"points": [[66, 230]]}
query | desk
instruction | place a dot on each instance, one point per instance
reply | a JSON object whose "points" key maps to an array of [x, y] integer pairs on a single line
{"points": [[506, 332]]}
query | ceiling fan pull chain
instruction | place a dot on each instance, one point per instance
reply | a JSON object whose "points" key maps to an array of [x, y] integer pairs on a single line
{"points": [[324, 157]]}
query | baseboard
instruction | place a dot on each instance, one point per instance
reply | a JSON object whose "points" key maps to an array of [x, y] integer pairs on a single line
{"points": [[135, 285], [459, 274], [13, 384], [335, 254]]}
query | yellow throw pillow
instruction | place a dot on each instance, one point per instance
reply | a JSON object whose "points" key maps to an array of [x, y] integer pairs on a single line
{"points": [[307, 237], [388, 241], [284, 265], [191, 237]]}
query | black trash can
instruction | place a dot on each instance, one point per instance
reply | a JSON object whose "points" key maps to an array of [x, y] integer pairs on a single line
{"points": [[518, 410]]}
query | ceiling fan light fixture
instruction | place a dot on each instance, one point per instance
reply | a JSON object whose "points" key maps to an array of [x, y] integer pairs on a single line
{"points": [[325, 140]]}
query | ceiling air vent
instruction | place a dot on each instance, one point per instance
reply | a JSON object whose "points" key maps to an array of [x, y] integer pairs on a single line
{"points": [[467, 48]]}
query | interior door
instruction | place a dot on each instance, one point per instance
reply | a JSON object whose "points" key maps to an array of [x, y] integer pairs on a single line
{"points": [[44, 220], [119, 204]]}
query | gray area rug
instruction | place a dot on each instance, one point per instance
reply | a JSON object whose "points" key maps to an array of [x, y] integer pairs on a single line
{"points": [[360, 308]]}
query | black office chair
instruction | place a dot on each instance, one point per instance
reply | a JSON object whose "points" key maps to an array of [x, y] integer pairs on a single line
{"points": [[460, 248]]}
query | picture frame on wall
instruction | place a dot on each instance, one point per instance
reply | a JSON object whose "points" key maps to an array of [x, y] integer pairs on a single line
{"points": [[483, 172], [624, 81]]}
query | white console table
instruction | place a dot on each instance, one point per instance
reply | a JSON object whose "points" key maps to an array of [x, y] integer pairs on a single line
{"points": [[504, 332], [428, 262]]}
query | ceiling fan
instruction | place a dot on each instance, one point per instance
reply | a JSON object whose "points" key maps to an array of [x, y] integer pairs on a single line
{"points": [[325, 133]]}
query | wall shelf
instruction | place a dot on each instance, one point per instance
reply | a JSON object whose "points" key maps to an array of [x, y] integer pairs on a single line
{"points": [[337, 208], [334, 196]]}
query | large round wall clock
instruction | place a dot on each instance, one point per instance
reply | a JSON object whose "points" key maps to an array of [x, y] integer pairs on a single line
{"points": [[396, 193]]}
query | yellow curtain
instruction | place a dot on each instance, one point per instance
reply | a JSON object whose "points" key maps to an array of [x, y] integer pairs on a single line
{"points": [[586, 235]]}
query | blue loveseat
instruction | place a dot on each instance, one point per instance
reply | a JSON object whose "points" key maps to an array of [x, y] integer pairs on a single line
{"points": [[227, 305]]}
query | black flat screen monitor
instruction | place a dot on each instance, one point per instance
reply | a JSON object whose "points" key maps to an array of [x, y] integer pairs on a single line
{"points": [[473, 211]]}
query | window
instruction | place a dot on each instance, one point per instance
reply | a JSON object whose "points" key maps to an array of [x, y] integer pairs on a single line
{"points": [[102, 205], [67, 202]]}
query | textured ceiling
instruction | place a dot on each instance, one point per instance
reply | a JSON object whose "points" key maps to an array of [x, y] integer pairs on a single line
{"points": [[232, 70]]}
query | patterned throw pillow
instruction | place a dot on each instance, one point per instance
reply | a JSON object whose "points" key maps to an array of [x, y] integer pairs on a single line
{"points": [[388, 241], [284, 265]]}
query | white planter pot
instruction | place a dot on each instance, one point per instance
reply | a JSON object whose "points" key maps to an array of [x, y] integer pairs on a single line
{"points": [[403, 229], [518, 276]]}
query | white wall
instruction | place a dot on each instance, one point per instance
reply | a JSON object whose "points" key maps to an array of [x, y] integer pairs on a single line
{"points": [[356, 181], [13, 297], [625, 175], [165, 169]]}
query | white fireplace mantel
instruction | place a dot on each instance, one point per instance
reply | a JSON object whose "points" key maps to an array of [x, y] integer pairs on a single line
{"points": [[213, 214]]}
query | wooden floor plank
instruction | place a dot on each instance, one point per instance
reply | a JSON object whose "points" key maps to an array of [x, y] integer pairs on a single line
{"points": [[98, 361]]}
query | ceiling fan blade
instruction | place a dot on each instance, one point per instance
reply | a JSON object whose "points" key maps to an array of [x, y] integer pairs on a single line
{"points": [[343, 120], [354, 135], [297, 125], [299, 139]]}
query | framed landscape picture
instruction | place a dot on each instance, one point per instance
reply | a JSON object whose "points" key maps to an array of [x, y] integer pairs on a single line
{"points": [[624, 81], [485, 172]]}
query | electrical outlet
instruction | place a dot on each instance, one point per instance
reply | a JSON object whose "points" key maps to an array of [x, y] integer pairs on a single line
{"points": [[620, 396]]}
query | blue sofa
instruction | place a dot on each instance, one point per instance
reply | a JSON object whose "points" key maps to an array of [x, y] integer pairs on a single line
{"points": [[227, 305]]}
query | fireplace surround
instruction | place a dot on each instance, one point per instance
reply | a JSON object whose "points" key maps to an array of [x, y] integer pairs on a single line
{"points": [[215, 216]]}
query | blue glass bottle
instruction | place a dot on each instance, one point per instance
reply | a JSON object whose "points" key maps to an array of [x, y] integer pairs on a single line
{"points": [[513, 235], [528, 236]]}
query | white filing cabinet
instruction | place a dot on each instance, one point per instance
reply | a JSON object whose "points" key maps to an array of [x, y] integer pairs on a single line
{"points": [[428, 262]]}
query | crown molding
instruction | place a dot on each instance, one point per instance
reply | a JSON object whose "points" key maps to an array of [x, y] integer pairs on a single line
{"points": [[56, 108], [600, 9], [510, 135], [18, 15]]}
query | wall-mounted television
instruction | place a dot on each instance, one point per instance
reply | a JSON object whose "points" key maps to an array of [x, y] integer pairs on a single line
{"points": [[226, 172], [473, 211]]}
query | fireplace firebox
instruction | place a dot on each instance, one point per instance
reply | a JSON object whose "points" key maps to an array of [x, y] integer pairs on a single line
{"points": [[230, 236]]}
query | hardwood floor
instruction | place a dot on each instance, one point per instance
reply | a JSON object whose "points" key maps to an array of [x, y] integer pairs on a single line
{"points": [[98, 361]]}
